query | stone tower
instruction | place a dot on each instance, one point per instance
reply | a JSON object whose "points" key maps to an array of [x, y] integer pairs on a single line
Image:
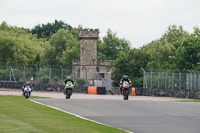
{"points": [[88, 66], [88, 52]]}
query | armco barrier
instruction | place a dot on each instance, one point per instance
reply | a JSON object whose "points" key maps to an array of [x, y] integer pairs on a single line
{"points": [[101, 90]]}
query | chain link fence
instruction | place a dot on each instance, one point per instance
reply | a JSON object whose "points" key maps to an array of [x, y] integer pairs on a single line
{"points": [[174, 80]]}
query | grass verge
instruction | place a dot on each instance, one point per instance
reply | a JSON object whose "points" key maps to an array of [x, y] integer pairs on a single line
{"points": [[37, 97], [18, 115], [189, 100]]}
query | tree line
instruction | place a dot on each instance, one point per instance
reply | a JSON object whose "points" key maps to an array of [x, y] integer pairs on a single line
{"points": [[57, 44]]}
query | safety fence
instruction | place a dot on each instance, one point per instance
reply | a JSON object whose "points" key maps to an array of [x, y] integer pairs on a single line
{"points": [[33, 74], [174, 80]]}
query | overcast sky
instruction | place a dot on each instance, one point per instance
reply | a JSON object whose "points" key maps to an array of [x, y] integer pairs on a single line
{"points": [[139, 21]]}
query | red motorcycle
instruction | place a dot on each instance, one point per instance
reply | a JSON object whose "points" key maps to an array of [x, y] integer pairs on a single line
{"points": [[126, 90]]}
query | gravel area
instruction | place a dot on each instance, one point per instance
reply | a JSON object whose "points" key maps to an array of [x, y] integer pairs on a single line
{"points": [[60, 95]]}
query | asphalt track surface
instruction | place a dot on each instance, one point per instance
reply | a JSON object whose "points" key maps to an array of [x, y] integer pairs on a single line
{"points": [[138, 116]]}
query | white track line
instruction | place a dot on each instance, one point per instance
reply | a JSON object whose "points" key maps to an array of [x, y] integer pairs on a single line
{"points": [[77, 115]]}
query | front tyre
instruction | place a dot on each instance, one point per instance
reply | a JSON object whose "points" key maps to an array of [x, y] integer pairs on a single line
{"points": [[126, 94], [26, 95], [68, 93]]}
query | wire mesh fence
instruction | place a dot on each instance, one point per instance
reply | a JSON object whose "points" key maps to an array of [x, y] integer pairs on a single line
{"points": [[33, 74], [174, 80]]}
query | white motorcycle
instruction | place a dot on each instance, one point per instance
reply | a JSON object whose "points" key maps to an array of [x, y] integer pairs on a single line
{"points": [[27, 91]]}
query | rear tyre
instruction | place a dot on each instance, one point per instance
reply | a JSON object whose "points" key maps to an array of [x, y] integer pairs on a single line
{"points": [[126, 93], [126, 97]]}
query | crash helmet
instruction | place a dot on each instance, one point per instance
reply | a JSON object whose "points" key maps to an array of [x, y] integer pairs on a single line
{"points": [[125, 77], [68, 77]]}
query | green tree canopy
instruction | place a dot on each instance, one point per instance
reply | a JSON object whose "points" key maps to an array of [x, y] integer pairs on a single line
{"points": [[111, 46], [130, 63], [18, 46], [188, 54], [162, 51], [45, 30], [62, 48]]}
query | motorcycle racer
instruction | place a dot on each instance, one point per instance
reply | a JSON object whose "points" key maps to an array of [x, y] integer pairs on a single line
{"points": [[26, 84], [68, 79], [125, 78]]}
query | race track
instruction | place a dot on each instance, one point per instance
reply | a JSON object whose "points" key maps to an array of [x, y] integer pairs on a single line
{"points": [[138, 116]]}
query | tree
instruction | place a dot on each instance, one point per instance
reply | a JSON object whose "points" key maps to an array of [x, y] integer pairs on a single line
{"points": [[175, 36], [188, 54], [62, 48], [162, 51], [130, 63], [18, 46], [45, 30], [111, 46], [159, 54]]}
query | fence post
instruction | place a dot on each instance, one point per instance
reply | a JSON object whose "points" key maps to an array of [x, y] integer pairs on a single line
{"points": [[165, 79], [36, 74], [49, 72], [158, 78], [194, 79], [74, 72], [187, 81], [144, 78], [61, 72], [9, 71], [172, 80], [151, 77], [24, 74], [198, 80], [85, 74], [190, 80], [179, 79]]}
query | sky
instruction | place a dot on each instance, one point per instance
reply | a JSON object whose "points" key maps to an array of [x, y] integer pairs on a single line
{"points": [[138, 21]]}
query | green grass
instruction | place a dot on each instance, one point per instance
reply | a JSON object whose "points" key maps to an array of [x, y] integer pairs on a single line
{"points": [[18, 115], [189, 100], [37, 97]]}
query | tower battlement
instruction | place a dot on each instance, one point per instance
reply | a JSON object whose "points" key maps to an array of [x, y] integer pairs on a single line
{"points": [[88, 33]]}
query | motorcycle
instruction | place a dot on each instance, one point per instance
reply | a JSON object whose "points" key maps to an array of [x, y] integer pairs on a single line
{"points": [[27, 92], [68, 89], [126, 90]]}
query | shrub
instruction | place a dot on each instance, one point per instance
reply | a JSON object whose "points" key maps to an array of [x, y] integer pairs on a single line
{"points": [[4, 74], [81, 81], [55, 78], [44, 79]]}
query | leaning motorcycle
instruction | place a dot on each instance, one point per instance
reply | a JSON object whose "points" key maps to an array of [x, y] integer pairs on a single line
{"points": [[27, 92], [68, 89], [126, 90]]}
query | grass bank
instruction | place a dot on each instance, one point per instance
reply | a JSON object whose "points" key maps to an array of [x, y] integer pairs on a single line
{"points": [[18, 115]]}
